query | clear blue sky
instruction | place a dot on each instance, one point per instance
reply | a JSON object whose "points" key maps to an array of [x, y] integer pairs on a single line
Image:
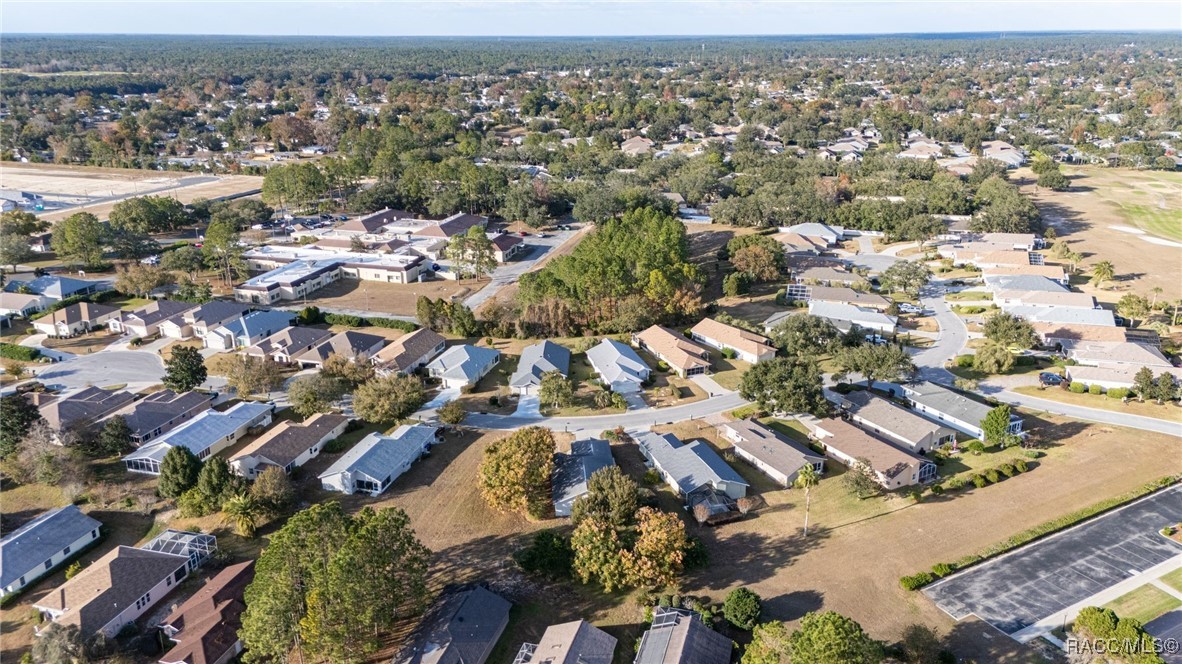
{"points": [[579, 17]]}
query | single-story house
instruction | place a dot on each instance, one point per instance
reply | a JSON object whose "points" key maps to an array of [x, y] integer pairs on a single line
{"points": [[776, 456], [288, 445], [75, 319], [36, 548], [408, 352], [1110, 377], [571, 471], [205, 628], [506, 246], [207, 434], [465, 629], [899, 425], [1015, 241], [21, 304], [1063, 315], [349, 344], [1022, 283], [55, 288], [838, 295], [536, 360], [198, 322], [463, 365], [953, 408], [636, 146], [456, 224], [1059, 334], [577, 642], [86, 405], [1116, 354], [114, 590], [844, 316], [373, 464], [247, 330], [145, 321], [1056, 273], [1008, 299], [830, 235], [160, 412], [618, 366], [678, 636], [826, 276], [690, 467], [892, 467], [747, 346], [795, 242], [685, 357], [286, 344]]}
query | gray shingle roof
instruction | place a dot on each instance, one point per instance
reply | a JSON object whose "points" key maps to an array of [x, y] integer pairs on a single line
{"points": [[35, 542], [571, 471], [575, 642], [463, 362], [691, 465], [893, 418], [376, 456], [538, 359], [847, 312], [617, 362], [465, 631], [679, 637], [159, 408], [154, 312], [769, 447], [948, 401], [87, 404]]}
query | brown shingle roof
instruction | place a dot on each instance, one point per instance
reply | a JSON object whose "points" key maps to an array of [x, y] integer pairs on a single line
{"points": [[408, 348], [206, 626], [734, 337], [288, 440], [679, 352], [81, 311]]}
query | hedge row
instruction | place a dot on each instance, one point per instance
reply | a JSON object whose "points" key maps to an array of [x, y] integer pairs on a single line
{"points": [[15, 352], [350, 320], [916, 581]]}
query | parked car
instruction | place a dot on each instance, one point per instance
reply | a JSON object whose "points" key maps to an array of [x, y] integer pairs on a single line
{"points": [[1048, 379], [877, 340], [909, 308]]}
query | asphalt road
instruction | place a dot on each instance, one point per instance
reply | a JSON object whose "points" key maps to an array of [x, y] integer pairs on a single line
{"points": [[949, 343], [505, 274], [1168, 628], [1041, 579], [631, 420], [1115, 418]]}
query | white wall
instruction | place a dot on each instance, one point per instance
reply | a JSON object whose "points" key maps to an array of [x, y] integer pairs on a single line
{"points": [[157, 593], [57, 559]]}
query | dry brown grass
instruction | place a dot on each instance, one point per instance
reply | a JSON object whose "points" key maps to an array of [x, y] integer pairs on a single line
{"points": [[380, 298], [85, 344]]}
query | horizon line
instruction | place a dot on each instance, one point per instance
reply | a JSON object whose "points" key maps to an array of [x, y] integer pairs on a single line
{"points": [[1065, 31]]}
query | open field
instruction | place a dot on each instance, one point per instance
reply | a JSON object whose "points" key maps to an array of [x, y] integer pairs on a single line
{"points": [[70, 189], [1173, 580], [379, 298], [1144, 603], [1167, 411], [1132, 218]]}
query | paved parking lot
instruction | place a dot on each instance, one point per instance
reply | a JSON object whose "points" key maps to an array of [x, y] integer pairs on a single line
{"points": [[1040, 579], [1168, 631]]}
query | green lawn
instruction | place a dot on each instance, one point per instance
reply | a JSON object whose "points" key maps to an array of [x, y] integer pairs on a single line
{"points": [[1144, 604], [1157, 221], [1173, 579], [1168, 411], [790, 428], [969, 296], [727, 373]]}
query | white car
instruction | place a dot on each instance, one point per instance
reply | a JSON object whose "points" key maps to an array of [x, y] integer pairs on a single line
{"points": [[909, 308], [876, 339]]}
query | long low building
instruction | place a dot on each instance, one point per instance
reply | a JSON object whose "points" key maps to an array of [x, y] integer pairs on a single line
{"points": [[953, 408], [774, 455], [900, 425], [746, 345], [844, 316], [892, 467], [205, 435], [38, 547], [289, 445], [572, 471], [290, 273]]}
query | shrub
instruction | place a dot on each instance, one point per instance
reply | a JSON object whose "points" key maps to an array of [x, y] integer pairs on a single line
{"points": [[1021, 466], [696, 555], [742, 608], [992, 475], [73, 569], [494, 400], [310, 316], [14, 352], [1095, 388], [393, 324], [135, 342], [916, 494], [1032, 454], [937, 489], [652, 477], [549, 555], [1118, 392], [979, 481], [729, 353], [662, 365], [1007, 469], [956, 483], [1078, 388], [916, 581], [942, 569], [347, 320], [964, 361], [976, 447]]}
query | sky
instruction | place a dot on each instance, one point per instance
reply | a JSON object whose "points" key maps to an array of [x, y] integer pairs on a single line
{"points": [[580, 17]]}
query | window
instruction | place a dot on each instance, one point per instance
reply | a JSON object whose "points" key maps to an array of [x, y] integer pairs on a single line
{"points": [[66, 551], [143, 601], [49, 563], [22, 581]]}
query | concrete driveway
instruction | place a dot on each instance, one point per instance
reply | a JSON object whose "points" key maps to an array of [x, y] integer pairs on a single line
{"points": [[136, 369], [528, 406]]}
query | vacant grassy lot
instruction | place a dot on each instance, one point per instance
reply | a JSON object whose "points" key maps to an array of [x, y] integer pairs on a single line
{"points": [[84, 344], [1173, 579], [1166, 411], [1144, 603], [1101, 213], [380, 298]]}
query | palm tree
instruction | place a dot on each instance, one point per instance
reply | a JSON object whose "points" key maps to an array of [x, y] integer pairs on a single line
{"points": [[1101, 272], [1157, 290], [1177, 306], [244, 511], [806, 479]]}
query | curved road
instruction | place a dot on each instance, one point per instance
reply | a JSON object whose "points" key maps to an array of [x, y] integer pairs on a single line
{"points": [[641, 418]]}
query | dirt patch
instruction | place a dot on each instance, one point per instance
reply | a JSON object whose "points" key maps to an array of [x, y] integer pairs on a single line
{"points": [[381, 298], [84, 344]]}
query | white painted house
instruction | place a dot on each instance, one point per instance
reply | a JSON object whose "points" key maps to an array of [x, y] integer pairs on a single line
{"points": [[204, 435], [373, 464], [618, 366], [460, 366], [289, 445], [36, 548]]}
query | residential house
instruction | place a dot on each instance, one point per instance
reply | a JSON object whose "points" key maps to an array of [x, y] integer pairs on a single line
{"points": [[456, 224], [1114, 376], [56, 288], [797, 243], [678, 636], [838, 295], [114, 590], [506, 246], [1001, 151], [830, 235], [145, 321], [953, 408], [205, 627], [349, 344], [577, 642], [86, 405], [198, 322], [747, 346], [892, 467], [21, 304], [690, 468], [205, 435], [288, 445], [1041, 299], [1014, 241], [464, 629], [1115, 354], [845, 316], [1024, 283], [161, 412], [247, 330], [636, 146], [1058, 334], [897, 424], [826, 276], [1056, 273], [373, 464], [460, 366], [618, 366], [1063, 315], [537, 360], [408, 352], [573, 470], [75, 319], [683, 356], [36, 548], [775, 455], [286, 344]]}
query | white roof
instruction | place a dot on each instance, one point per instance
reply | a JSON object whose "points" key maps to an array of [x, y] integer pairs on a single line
{"points": [[617, 362], [202, 431], [463, 361], [376, 456], [849, 312]]}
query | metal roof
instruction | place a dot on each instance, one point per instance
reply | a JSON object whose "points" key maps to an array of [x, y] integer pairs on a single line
{"points": [[692, 465], [202, 431], [616, 361], [38, 540], [464, 362]]}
